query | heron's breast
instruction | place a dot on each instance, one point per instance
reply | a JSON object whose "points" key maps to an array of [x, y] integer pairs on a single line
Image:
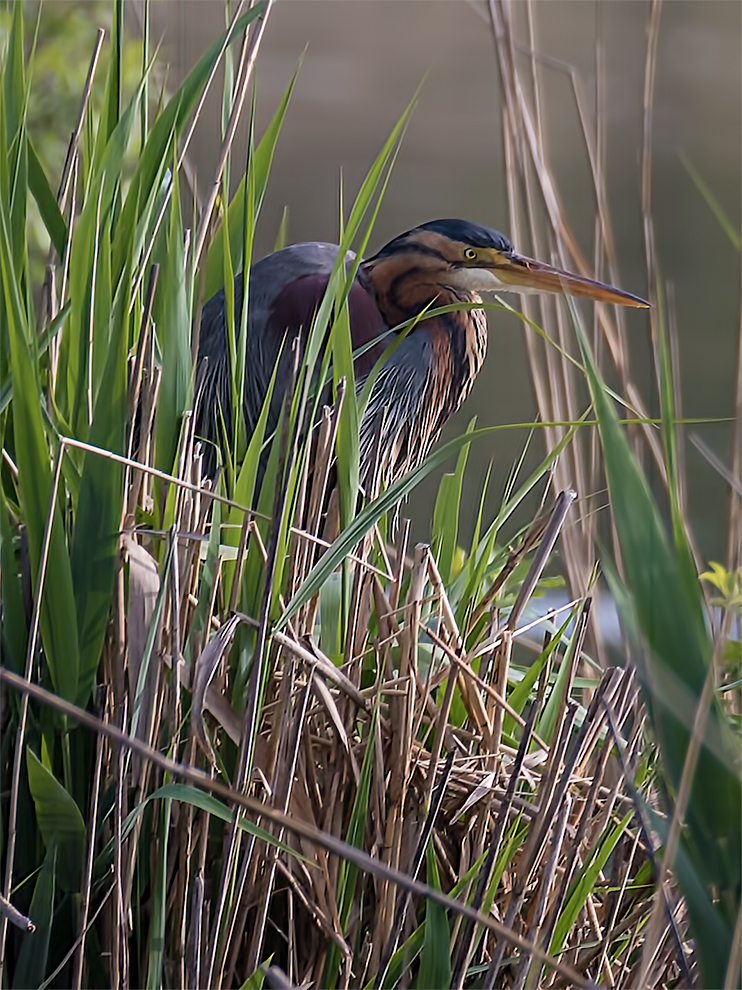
{"points": [[459, 342]]}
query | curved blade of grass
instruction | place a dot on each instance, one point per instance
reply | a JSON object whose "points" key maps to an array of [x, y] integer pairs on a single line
{"points": [[91, 296], [238, 346], [446, 513], [585, 882], [340, 281], [45, 338], [557, 700], [244, 494], [668, 610], [212, 806], [172, 316], [15, 97], [95, 542], [522, 690], [713, 203], [465, 585]]}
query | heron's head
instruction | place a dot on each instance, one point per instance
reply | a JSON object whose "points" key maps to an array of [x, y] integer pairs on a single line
{"points": [[477, 259]]}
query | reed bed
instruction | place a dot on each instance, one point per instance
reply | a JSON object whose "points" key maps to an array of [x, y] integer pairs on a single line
{"points": [[245, 744]]}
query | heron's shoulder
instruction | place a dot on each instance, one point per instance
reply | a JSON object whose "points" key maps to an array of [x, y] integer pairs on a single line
{"points": [[296, 261]]}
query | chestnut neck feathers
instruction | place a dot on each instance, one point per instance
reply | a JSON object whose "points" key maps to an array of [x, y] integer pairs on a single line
{"points": [[416, 271]]}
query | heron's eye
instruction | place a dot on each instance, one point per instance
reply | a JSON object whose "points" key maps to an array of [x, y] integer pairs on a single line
{"points": [[470, 254]]}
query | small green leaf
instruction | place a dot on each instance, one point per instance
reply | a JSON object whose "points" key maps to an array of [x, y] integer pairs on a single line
{"points": [[46, 201], [60, 822], [172, 316], [257, 979], [435, 960]]}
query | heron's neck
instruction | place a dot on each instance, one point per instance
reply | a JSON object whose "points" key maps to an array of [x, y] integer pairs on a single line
{"points": [[404, 287]]}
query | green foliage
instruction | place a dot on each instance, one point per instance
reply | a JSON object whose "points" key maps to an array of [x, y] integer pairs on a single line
{"points": [[585, 881], [349, 873], [727, 583], [34, 953], [67, 415], [64, 38], [435, 959], [60, 822], [662, 603]]}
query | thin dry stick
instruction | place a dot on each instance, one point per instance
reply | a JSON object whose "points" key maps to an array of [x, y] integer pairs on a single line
{"points": [[70, 231], [417, 861], [611, 930], [15, 917], [551, 800], [649, 76], [401, 710], [152, 472], [585, 821], [559, 514], [283, 797], [120, 955], [529, 541], [19, 751], [492, 692], [731, 977], [67, 170], [628, 777]]}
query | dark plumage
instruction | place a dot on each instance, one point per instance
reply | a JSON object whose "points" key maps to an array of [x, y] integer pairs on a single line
{"points": [[429, 374]]}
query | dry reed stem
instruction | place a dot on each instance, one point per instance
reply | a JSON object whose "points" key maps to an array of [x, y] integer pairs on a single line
{"points": [[70, 157]]}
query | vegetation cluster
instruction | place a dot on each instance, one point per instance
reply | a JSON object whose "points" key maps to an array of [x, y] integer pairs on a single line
{"points": [[233, 751]]}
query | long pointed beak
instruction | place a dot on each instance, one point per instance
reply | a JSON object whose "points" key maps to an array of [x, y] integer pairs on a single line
{"points": [[527, 274]]}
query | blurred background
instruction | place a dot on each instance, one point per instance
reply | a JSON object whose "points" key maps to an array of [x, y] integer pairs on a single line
{"points": [[363, 60]]}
